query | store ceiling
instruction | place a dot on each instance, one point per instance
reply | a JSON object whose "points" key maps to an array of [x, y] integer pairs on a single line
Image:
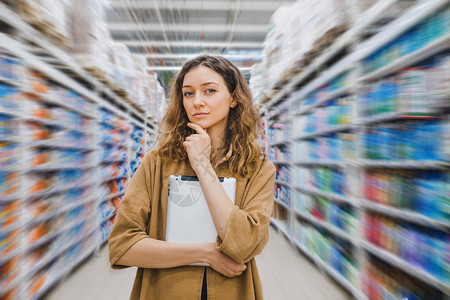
{"points": [[170, 32]]}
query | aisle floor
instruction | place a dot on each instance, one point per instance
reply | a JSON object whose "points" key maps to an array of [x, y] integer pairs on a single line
{"points": [[284, 272]]}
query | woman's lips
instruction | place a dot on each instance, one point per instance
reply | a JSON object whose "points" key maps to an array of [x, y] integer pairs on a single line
{"points": [[200, 114]]}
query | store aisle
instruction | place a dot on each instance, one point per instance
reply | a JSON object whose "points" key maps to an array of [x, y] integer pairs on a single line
{"points": [[284, 272]]}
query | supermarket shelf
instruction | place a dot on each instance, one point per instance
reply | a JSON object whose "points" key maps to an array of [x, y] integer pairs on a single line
{"points": [[10, 198], [10, 228], [108, 217], [338, 128], [140, 124], [344, 65], [34, 62], [112, 196], [412, 16], [410, 59], [368, 18], [46, 260], [49, 284], [51, 168], [273, 115], [52, 99], [110, 161], [11, 82], [406, 267], [114, 178], [60, 124], [49, 144], [281, 203], [12, 113], [330, 271], [281, 143], [119, 128], [54, 190], [43, 121], [281, 226], [332, 196], [112, 144], [325, 163], [330, 228], [12, 284], [407, 164], [8, 257], [51, 236], [14, 167], [282, 162], [10, 17], [333, 95], [46, 217], [389, 117], [286, 184], [9, 139], [406, 215]]}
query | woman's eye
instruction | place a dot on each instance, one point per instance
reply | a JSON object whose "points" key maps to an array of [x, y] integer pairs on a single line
{"points": [[187, 94], [210, 91]]}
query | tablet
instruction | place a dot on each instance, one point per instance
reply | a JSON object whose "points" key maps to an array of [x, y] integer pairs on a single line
{"points": [[188, 217]]}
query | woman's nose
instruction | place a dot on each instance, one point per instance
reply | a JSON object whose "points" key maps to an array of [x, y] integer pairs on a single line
{"points": [[198, 99]]}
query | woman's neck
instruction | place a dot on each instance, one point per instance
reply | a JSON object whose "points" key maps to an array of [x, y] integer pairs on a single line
{"points": [[217, 139]]}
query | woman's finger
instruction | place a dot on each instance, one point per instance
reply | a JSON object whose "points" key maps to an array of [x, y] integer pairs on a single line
{"points": [[193, 136], [197, 128]]}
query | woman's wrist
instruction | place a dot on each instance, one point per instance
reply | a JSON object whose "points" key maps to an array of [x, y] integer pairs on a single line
{"points": [[205, 251], [202, 167]]}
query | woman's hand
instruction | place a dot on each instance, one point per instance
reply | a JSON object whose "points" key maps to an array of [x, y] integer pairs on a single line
{"points": [[223, 264], [198, 148]]}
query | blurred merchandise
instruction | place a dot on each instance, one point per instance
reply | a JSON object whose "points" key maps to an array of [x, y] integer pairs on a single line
{"points": [[356, 101], [417, 37], [421, 247], [335, 253], [320, 208], [415, 91], [9, 98], [282, 193], [136, 148], [424, 192], [413, 140], [380, 281], [64, 157]]}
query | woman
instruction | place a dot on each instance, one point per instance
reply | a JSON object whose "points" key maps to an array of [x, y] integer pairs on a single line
{"points": [[209, 131]]}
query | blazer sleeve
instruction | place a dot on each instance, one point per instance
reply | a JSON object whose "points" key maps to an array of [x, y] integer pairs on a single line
{"points": [[133, 215], [248, 228]]}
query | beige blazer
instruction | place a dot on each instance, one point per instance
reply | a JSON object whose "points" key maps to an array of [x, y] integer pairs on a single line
{"points": [[142, 214]]}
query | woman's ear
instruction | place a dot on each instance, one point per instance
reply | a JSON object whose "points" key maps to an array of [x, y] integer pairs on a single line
{"points": [[233, 103]]}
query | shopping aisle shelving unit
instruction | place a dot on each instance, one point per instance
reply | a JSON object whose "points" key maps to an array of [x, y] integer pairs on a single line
{"points": [[53, 162], [358, 203], [114, 169]]}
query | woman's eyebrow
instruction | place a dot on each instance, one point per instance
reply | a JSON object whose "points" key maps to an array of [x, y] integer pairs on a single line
{"points": [[212, 82], [206, 83]]}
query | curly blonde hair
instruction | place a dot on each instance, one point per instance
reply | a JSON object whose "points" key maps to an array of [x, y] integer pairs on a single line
{"points": [[243, 126]]}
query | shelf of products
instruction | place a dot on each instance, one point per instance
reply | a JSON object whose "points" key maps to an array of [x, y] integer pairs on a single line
{"points": [[137, 145], [333, 255], [115, 140], [400, 249], [64, 162], [362, 143]]}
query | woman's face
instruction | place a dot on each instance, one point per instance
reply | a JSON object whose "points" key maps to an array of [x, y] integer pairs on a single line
{"points": [[206, 99]]}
